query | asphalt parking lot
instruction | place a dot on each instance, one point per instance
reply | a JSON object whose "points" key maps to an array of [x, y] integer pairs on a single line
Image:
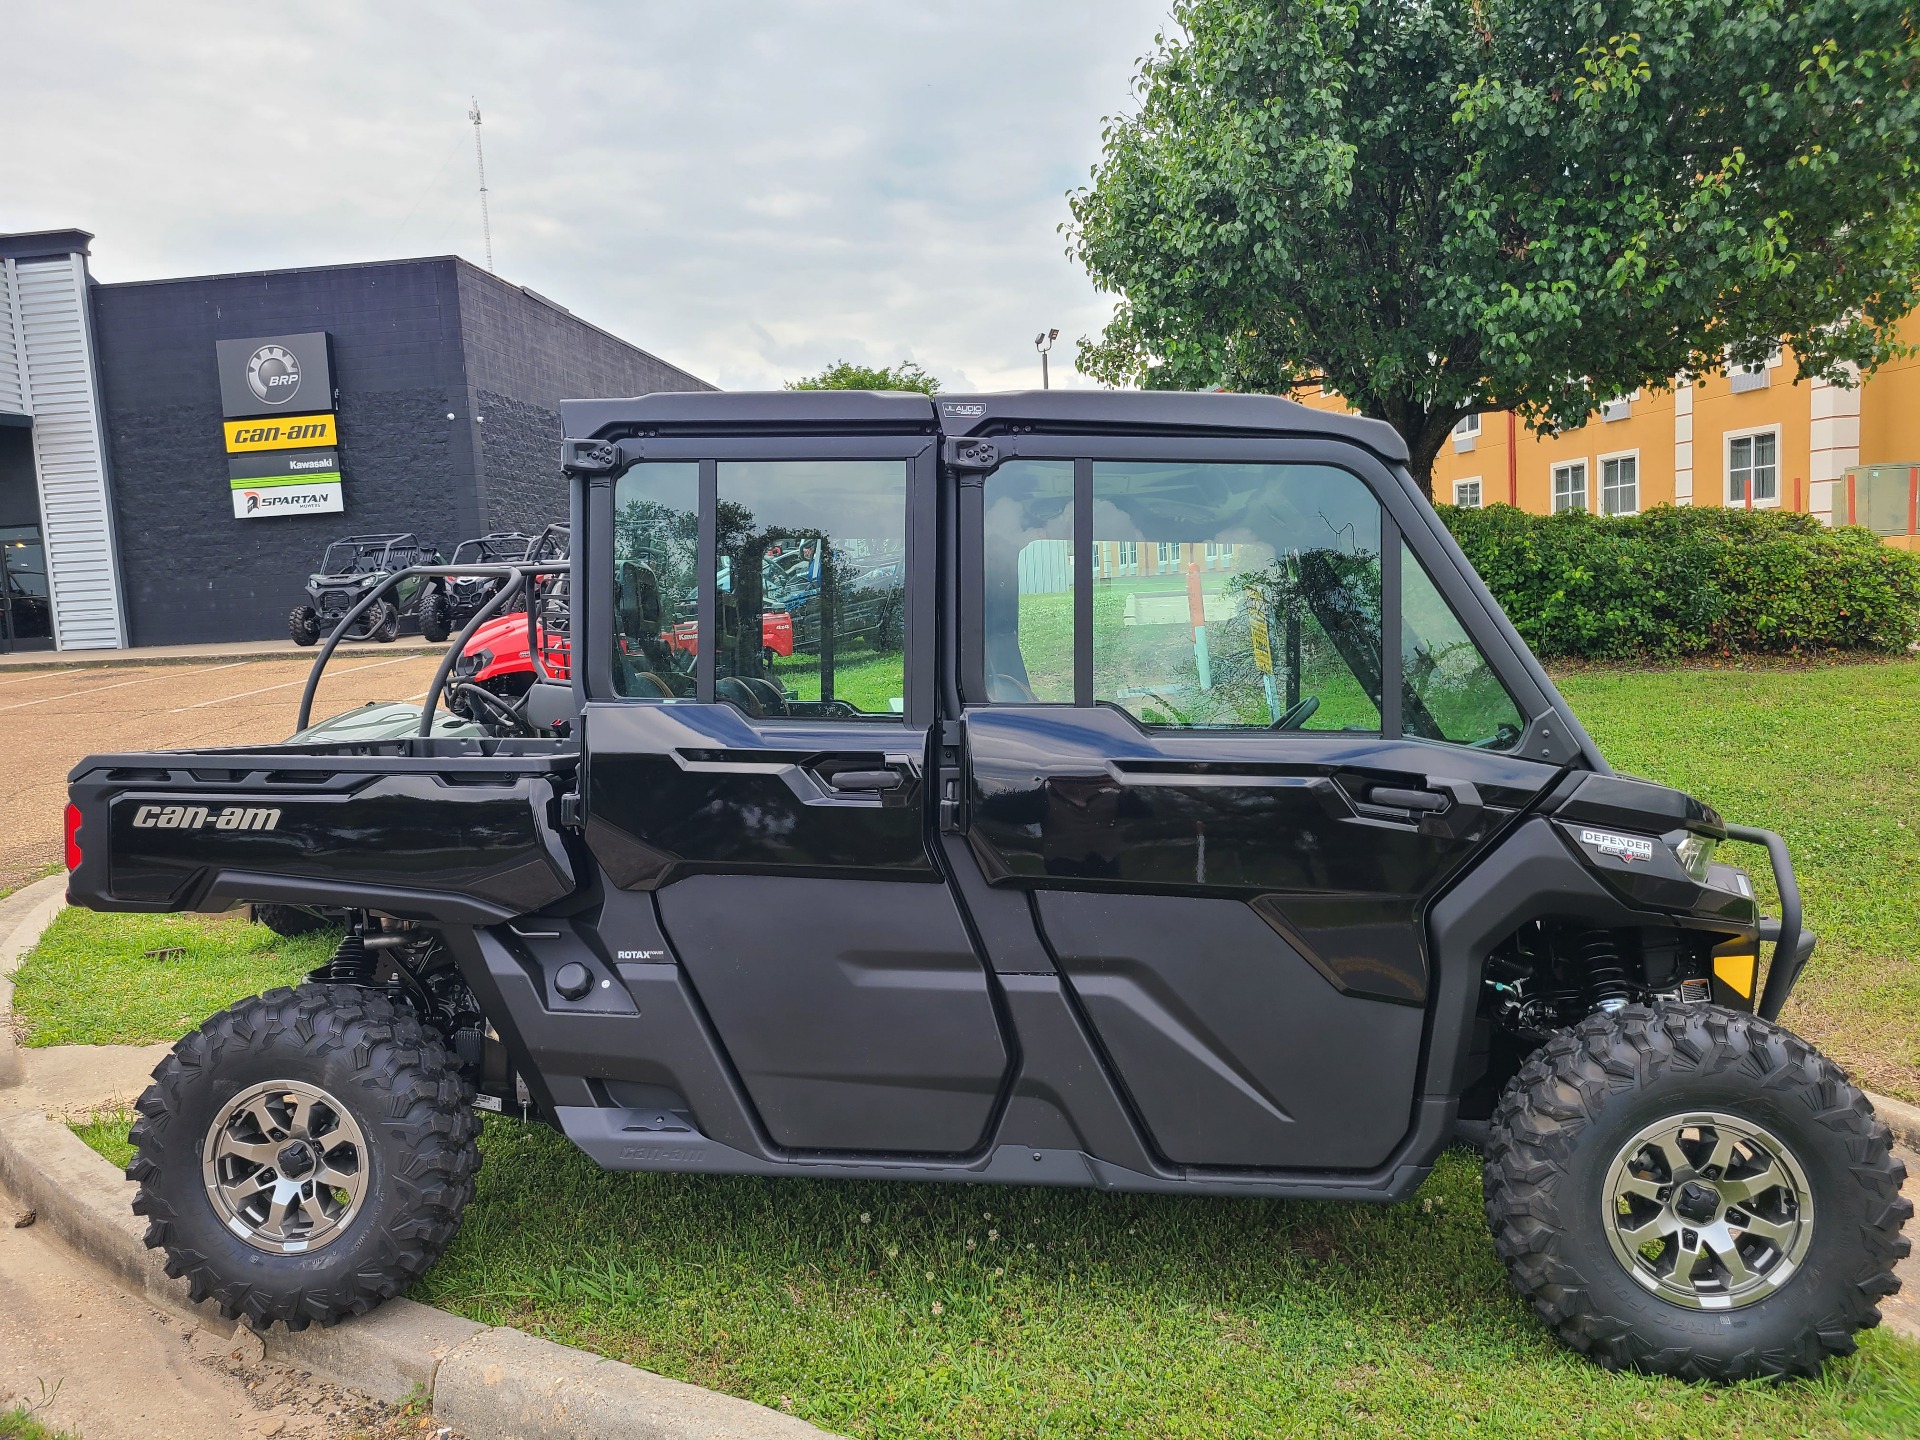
{"points": [[49, 719]]}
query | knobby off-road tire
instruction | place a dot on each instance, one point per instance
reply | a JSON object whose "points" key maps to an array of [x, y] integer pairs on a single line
{"points": [[303, 625], [436, 617], [383, 622], [1558, 1174], [405, 1114]]}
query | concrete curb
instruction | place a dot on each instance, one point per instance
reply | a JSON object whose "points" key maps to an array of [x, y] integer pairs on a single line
{"points": [[1903, 1119], [24, 917], [491, 1383]]}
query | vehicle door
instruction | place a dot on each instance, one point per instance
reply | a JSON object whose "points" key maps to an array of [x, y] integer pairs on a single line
{"points": [[763, 781], [1229, 800]]}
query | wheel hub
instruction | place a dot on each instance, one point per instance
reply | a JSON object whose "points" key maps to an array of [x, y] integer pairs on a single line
{"points": [[285, 1167], [1708, 1210]]}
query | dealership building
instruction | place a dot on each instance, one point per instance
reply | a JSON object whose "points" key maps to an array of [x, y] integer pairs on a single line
{"points": [[175, 455]]}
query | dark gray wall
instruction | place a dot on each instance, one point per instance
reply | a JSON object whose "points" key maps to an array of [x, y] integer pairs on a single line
{"points": [[402, 366], [19, 489], [524, 355]]}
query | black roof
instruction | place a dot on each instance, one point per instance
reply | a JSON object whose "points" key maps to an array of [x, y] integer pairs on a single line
{"points": [[1111, 411]]}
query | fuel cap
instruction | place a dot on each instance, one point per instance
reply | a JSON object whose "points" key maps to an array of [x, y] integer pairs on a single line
{"points": [[573, 980]]}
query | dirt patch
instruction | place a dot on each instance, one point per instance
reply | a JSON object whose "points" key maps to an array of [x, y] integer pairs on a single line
{"points": [[53, 718]]}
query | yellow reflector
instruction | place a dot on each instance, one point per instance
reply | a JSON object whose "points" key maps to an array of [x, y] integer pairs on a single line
{"points": [[1736, 972]]}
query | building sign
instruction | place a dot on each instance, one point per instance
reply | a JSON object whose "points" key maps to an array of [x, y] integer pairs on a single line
{"points": [[300, 432], [285, 482], [275, 375]]}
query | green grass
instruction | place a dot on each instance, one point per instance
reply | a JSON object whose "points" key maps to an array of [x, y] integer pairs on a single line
{"points": [[92, 981], [19, 1424], [1829, 757]]}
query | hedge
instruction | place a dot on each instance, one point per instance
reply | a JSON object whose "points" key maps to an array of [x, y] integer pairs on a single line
{"points": [[1674, 582]]}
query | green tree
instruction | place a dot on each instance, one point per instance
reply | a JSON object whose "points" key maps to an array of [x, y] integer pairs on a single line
{"points": [[845, 375], [1438, 207]]}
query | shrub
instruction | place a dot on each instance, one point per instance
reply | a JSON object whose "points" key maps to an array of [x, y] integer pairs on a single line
{"points": [[1674, 582]]}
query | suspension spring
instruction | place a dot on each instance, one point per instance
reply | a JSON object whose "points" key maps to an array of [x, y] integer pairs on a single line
{"points": [[352, 964], [1608, 984]]}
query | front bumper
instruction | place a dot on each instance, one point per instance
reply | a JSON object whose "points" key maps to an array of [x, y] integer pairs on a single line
{"points": [[1792, 942]]}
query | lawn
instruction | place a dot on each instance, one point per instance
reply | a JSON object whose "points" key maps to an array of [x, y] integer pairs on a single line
{"points": [[896, 1310], [97, 979]]}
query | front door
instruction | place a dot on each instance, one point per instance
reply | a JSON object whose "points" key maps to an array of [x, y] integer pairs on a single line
{"points": [[761, 774], [1229, 802]]}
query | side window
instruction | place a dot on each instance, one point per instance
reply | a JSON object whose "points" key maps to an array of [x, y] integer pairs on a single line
{"points": [[1449, 691], [656, 598], [1236, 596], [811, 588], [1028, 592]]}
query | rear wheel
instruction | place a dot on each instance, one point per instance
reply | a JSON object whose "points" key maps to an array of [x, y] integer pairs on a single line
{"points": [[303, 625], [1687, 1190], [304, 1155], [436, 618]]}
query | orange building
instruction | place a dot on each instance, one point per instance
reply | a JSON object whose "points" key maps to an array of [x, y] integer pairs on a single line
{"points": [[1752, 437]]}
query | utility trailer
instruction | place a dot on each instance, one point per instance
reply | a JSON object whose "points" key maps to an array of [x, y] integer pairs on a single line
{"points": [[1202, 826]]}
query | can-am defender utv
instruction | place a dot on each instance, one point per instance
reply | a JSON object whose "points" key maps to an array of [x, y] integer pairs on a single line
{"points": [[349, 570], [1207, 828], [451, 604]]}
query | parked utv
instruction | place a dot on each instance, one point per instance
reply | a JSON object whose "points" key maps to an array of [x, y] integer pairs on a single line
{"points": [[353, 568], [1202, 827], [447, 607]]}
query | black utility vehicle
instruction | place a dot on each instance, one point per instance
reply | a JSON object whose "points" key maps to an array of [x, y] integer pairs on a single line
{"points": [[352, 568], [447, 607], [1205, 828]]}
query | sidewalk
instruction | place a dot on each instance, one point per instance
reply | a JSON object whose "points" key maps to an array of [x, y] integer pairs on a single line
{"points": [[187, 654]]}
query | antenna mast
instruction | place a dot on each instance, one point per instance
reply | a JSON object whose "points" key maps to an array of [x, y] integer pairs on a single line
{"points": [[480, 161]]}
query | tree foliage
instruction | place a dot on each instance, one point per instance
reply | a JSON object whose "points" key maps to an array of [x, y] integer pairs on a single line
{"points": [[845, 375], [1444, 206]]}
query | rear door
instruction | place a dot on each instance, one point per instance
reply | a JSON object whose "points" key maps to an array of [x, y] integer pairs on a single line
{"points": [[1229, 801], [758, 767]]}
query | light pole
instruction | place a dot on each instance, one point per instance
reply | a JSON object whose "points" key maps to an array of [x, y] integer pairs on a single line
{"points": [[1043, 342]]}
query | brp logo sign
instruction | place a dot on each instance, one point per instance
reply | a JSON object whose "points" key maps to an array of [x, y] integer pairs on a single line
{"points": [[273, 374]]}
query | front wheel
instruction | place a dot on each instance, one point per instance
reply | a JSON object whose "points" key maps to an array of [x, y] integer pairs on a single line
{"points": [[1687, 1190], [303, 625], [304, 1155]]}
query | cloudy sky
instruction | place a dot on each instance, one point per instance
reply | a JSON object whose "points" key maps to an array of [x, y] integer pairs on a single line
{"points": [[750, 188]]}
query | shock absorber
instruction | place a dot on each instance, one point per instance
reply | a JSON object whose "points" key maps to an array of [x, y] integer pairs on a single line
{"points": [[1608, 985], [352, 963]]}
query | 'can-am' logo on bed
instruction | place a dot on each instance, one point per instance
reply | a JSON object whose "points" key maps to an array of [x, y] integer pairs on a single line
{"points": [[198, 817], [1621, 847]]}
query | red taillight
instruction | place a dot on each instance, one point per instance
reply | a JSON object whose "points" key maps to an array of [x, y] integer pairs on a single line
{"points": [[73, 837]]}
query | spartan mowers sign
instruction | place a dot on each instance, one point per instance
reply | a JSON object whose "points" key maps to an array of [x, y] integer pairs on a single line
{"points": [[285, 482]]}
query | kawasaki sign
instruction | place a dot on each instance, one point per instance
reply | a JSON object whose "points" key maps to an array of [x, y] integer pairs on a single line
{"points": [[285, 482]]}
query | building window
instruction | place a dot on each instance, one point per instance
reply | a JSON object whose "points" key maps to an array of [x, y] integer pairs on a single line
{"points": [[1469, 426], [1466, 493], [1620, 409], [1753, 469], [1168, 556], [1466, 435], [1620, 484], [1570, 486], [1129, 563], [1754, 376]]}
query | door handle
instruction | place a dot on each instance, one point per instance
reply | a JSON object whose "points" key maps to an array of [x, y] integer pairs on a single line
{"points": [[865, 780], [1394, 799]]}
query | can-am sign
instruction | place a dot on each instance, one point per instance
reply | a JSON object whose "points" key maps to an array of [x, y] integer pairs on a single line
{"points": [[275, 375]]}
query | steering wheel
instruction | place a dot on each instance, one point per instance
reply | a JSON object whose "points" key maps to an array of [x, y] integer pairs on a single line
{"points": [[503, 713], [1297, 715]]}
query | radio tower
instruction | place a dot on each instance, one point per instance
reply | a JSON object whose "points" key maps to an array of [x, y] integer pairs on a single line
{"points": [[480, 161]]}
